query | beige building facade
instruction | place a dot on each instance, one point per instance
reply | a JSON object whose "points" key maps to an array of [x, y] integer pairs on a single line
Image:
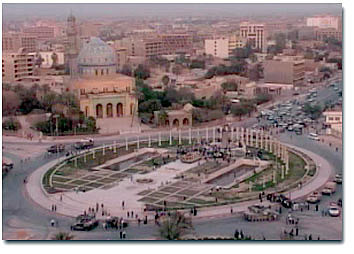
{"points": [[16, 66], [255, 35]]}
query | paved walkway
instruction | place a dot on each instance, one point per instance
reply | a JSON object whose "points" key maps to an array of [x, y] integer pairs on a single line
{"points": [[73, 204]]}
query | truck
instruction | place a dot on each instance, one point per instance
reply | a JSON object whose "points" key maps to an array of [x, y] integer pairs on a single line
{"points": [[329, 188]]}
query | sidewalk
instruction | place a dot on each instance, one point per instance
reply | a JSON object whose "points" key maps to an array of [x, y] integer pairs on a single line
{"points": [[73, 205]]}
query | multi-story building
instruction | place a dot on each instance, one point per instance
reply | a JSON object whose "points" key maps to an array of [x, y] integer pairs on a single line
{"points": [[324, 33], [16, 66], [288, 70], [236, 41], [121, 57], [255, 35], [41, 32], [13, 42], [217, 47], [176, 43], [334, 121], [324, 21], [147, 48]]}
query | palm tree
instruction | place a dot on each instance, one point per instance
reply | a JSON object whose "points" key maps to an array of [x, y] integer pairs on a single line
{"points": [[175, 226], [63, 236]]}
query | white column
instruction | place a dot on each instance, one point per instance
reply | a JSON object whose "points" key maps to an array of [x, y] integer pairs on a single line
{"points": [[170, 137], [220, 136], [138, 143], [149, 140], [179, 137], [232, 134], [76, 162], [198, 136], [287, 162], [271, 145], [126, 143], [190, 136], [159, 138], [114, 147], [103, 149], [282, 172], [207, 134], [93, 154], [214, 134], [251, 138], [84, 157], [238, 133], [262, 137], [274, 176], [257, 143]]}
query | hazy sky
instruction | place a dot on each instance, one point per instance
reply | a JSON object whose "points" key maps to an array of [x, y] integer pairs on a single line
{"points": [[11, 11]]}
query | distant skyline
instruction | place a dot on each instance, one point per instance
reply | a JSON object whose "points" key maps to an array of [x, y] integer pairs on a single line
{"points": [[24, 11]]}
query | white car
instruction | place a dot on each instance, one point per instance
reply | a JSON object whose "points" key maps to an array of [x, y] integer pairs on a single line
{"points": [[338, 179], [313, 136], [333, 210]]}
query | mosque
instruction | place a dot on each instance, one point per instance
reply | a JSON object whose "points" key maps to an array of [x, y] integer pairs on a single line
{"points": [[103, 94]]}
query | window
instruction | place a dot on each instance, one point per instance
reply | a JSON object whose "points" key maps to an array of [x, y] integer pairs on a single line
{"points": [[330, 118], [102, 73], [96, 71], [337, 118], [105, 89], [82, 91]]}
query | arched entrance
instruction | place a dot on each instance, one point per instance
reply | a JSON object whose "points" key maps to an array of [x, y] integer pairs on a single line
{"points": [[176, 122], [186, 121], [99, 111], [109, 110], [119, 109], [167, 123]]}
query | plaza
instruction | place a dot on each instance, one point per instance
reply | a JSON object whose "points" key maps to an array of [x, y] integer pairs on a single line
{"points": [[231, 168]]}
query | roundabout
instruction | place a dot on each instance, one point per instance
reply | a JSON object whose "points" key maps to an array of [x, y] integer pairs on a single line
{"points": [[149, 174]]}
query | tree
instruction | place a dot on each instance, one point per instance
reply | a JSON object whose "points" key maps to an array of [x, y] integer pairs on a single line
{"points": [[54, 57], [10, 102], [165, 80], [314, 111], [177, 69], [175, 226], [127, 70], [150, 106], [229, 86], [162, 117], [63, 236], [142, 72]]}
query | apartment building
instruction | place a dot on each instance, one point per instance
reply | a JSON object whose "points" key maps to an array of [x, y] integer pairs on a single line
{"points": [[176, 43], [217, 47], [255, 35], [13, 42], [324, 21], [147, 48], [289, 70], [41, 32], [236, 41], [16, 66]]}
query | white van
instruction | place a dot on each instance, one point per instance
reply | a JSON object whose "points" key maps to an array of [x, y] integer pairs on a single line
{"points": [[313, 136]]}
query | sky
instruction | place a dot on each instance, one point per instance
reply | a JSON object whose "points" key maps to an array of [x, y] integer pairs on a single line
{"points": [[18, 10]]}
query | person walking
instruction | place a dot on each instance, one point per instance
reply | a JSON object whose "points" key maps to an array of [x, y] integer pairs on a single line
{"points": [[124, 234]]}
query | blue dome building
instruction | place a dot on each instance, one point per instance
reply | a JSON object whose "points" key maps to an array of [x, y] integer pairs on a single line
{"points": [[96, 59]]}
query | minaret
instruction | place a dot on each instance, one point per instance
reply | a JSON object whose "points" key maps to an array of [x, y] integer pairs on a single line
{"points": [[72, 47]]}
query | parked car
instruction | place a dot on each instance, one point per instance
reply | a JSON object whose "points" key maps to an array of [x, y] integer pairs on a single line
{"points": [[329, 188], [338, 179], [333, 210], [84, 144], [313, 136], [56, 148], [314, 197]]}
